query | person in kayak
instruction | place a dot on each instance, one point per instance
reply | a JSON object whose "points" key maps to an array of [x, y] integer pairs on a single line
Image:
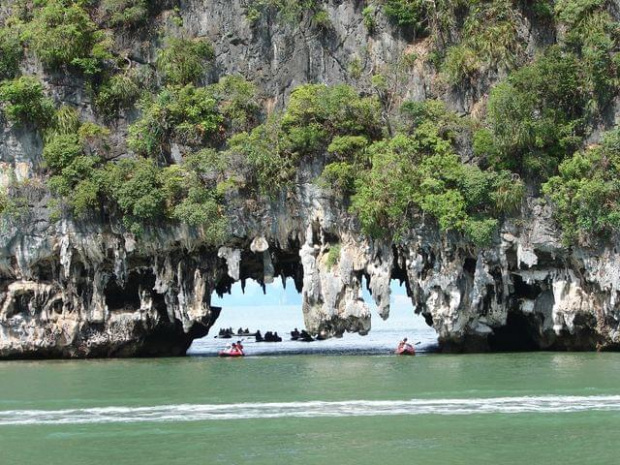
{"points": [[404, 346], [239, 346]]}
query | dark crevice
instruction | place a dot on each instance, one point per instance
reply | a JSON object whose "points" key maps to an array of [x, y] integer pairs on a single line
{"points": [[470, 265], [511, 258], [522, 290], [127, 297], [518, 335]]}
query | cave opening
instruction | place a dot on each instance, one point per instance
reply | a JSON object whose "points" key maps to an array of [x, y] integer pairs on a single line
{"points": [[524, 290], [127, 297], [518, 335], [276, 307]]}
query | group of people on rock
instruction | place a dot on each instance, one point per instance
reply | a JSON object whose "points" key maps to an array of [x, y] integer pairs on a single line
{"points": [[272, 337], [302, 335], [228, 333]]}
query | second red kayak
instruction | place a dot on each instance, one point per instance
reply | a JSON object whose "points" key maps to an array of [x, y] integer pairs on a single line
{"points": [[231, 353]]}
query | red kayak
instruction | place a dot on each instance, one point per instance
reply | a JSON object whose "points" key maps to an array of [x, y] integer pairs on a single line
{"points": [[231, 353], [407, 349]]}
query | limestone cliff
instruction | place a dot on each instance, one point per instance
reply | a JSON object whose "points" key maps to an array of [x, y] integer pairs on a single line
{"points": [[92, 289]]}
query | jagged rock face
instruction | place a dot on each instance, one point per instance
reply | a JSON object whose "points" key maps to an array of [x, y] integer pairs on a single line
{"points": [[90, 290], [71, 292]]}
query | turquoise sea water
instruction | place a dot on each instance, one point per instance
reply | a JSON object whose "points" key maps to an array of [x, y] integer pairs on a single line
{"points": [[551, 408]]}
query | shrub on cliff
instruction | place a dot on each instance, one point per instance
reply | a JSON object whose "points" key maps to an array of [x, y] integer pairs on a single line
{"points": [[61, 33], [10, 52], [184, 61], [118, 93], [419, 173], [136, 188], [585, 193], [60, 151], [192, 196], [125, 13], [185, 115], [411, 14], [72, 154], [316, 116], [317, 113], [147, 195], [25, 102], [592, 34], [237, 102], [288, 11], [402, 182], [489, 41], [194, 116], [270, 164], [537, 114]]}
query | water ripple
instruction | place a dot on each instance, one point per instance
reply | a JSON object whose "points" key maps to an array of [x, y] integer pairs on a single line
{"points": [[311, 409]]}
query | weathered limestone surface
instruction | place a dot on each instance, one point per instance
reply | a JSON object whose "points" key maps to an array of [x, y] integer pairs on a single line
{"points": [[77, 291], [93, 290]]}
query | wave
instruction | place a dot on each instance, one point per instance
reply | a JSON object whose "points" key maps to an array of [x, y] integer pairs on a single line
{"points": [[311, 409]]}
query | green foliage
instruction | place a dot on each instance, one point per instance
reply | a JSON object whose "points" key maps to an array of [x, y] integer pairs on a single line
{"points": [[537, 114], [61, 150], [586, 191], [138, 190], [460, 64], [368, 13], [125, 13], [419, 173], [237, 102], [355, 68], [431, 117], [333, 255], [411, 14], [316, 113], [195, 201], [65, 120], [383, 194], [186, 115], [194, 116], [146, 194], [572, 12], [379, 82], [265, 151], [118, 93], [484, 144], [316, 116], [15, 203], [321, 19], [288, 11], [593, 34], [136, 187], [4, 202], [10, 52], [347, 147], [25, 103], [72, 154], [184, 61], [62, 33], [490, 40], [339, 176]]}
